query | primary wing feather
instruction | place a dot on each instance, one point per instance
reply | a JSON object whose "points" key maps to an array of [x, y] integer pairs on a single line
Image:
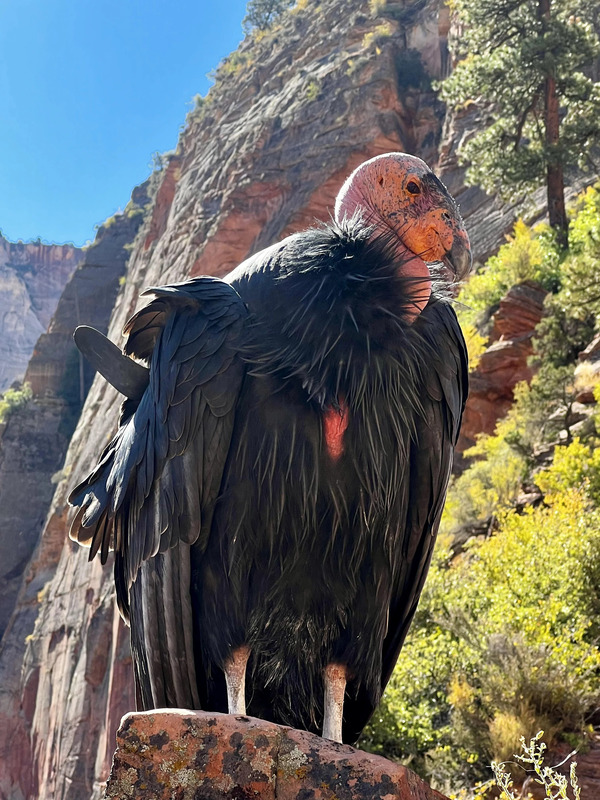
{"points": [[157, 481]]}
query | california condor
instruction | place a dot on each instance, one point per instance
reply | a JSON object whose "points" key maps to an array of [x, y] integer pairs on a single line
{"points": [[275, 485]]}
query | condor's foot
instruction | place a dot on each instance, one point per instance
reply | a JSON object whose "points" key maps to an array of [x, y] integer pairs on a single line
{"points": [[235, 678], [335, 687]]}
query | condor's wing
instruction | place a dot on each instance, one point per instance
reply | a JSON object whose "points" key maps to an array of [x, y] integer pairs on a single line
{"points": [[427, 476], [158, 479]]}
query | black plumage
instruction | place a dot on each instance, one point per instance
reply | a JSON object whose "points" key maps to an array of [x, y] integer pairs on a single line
{"points": [[233, 521]]}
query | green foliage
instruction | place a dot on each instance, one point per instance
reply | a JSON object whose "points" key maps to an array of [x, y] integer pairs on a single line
{"points": [[503, 643], [312, 91], [234, 63], [542, 409], [556, 786], [508, 50], [261, 14], [545, 406], [377, 7], [574, 466], [201, 103], [490, 484], [131, 210], [160, 161], [14, 399], [561, 334], [377, 36], [405, 13], [529, 254], [581, 289], [108, 222], [585, 228], [476, 343]]}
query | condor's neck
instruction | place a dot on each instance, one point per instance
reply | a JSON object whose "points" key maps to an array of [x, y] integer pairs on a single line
{"points": [[411, 267], [351, 205], [332, 304]]}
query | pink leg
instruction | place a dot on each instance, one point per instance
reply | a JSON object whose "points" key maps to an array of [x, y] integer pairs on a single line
{"points": [[235, 678], [335, 686]]}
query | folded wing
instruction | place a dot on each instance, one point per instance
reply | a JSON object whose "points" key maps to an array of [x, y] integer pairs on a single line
{"points": [[158, 479]]}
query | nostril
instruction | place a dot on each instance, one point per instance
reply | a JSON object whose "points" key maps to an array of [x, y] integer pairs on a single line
{"points": [[446, 216]]}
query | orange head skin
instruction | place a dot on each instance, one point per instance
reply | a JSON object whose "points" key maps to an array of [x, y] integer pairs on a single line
{"points": [[398, 193]]}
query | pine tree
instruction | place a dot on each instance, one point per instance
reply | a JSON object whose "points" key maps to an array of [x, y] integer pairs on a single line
{"points": [[260, 14], [528, 65]]}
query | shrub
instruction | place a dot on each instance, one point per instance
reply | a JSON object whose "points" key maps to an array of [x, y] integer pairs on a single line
{"points": [[233, 64], [261, 14], [491, 483], [555, 785], [561, 335], [375, 37], [529, 254], [377, 7], [14, 399], [581, 294], [476, 343], [574, 466], [503, 641], [312, 91]]}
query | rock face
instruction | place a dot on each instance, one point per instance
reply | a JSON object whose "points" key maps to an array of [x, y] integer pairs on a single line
{"points": [[504, 363], [32, 448], [32, 279], [188, 755], [291, 115]]}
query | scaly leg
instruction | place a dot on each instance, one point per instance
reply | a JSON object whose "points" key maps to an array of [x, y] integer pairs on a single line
{"points": [[335, 686], [235, 678]]}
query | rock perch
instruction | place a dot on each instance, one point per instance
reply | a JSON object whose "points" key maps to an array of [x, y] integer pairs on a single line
{"points": [[197, 755]]}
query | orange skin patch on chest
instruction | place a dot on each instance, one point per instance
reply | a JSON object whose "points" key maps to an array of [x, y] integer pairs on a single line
{"points": [[334, 426]]}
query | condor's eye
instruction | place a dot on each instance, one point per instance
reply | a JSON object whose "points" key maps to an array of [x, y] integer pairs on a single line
{"points": [[413, 187]]}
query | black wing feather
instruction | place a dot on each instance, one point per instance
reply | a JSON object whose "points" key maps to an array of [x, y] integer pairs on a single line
{"points": [[140, 499]]}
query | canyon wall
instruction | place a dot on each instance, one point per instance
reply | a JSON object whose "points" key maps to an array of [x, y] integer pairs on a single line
{"points": [[33, 443], [32, 278], [293, 111]]}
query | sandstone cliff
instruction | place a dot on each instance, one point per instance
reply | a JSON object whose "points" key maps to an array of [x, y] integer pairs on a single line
{"points": [[293, 112], [32, 278], [32, 448]]}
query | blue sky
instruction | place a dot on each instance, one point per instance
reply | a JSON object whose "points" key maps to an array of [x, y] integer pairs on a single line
{"points": [[89, 90]]}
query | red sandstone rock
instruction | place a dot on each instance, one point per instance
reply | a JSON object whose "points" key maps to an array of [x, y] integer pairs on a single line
{"points": [[196, 755], [520, 311], [504, 363], [592, 351], [163, 202]]}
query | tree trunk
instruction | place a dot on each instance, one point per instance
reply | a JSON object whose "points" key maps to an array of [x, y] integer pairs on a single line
{"points": [[555, 184]]}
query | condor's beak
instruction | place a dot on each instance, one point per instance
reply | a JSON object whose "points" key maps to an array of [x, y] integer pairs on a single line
{"points": [[459, 259], [436, 233]]}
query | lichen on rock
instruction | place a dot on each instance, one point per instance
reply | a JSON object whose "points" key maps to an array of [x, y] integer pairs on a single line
{"points": [[197, 755]]}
